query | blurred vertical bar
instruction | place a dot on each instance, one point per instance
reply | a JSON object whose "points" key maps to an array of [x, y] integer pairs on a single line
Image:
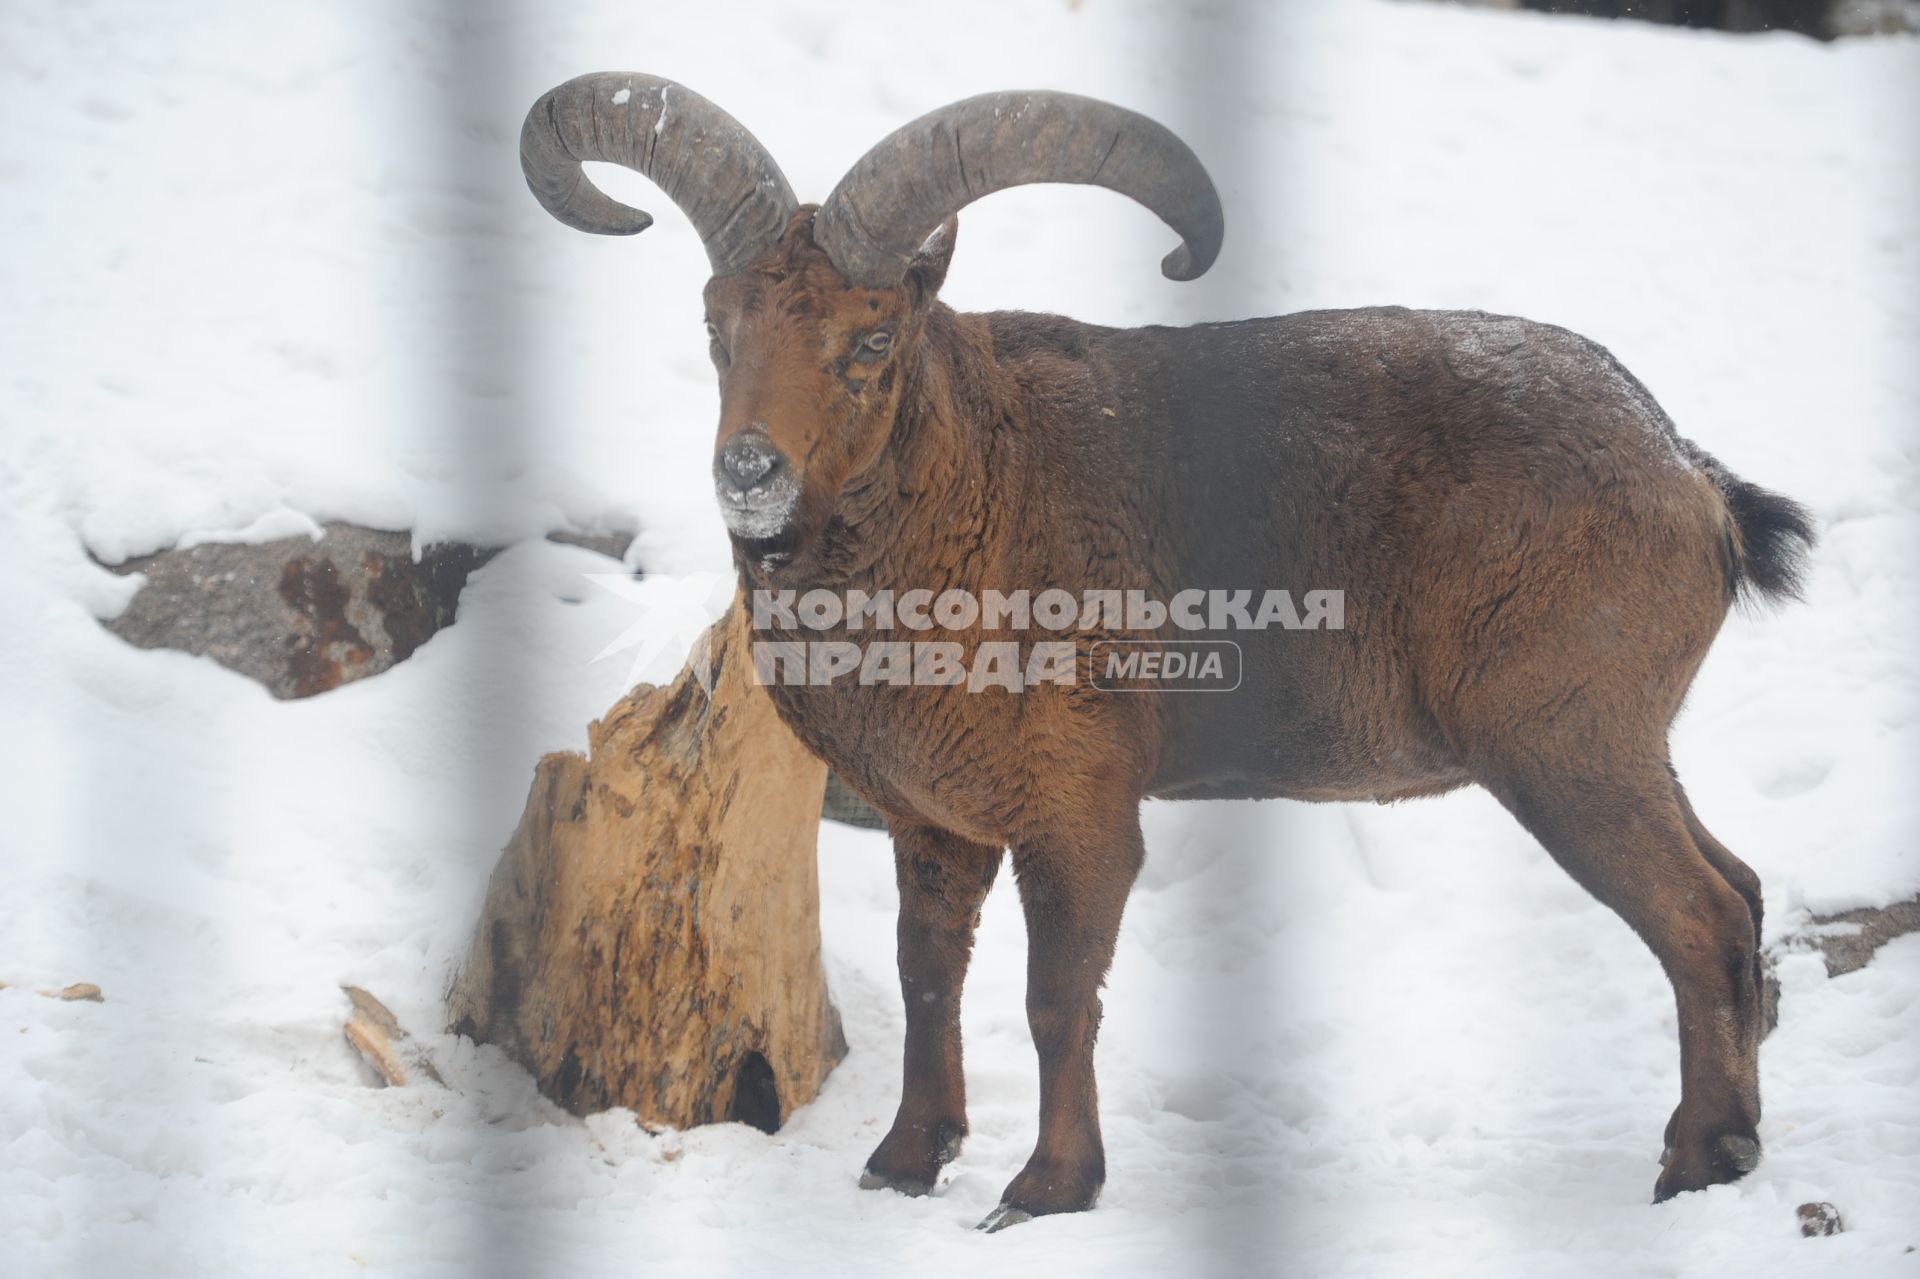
{"points": [[470, 134], [1233, 56]]}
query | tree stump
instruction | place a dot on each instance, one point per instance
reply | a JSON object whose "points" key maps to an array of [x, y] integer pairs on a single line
{"points": [[651, 936]]}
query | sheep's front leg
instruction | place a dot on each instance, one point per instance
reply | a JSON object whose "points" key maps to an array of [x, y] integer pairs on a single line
{"points": [[1074, 887], [943, 880]]}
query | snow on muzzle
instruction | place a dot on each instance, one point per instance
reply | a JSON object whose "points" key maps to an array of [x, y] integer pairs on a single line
{"points": [[757, 488]]}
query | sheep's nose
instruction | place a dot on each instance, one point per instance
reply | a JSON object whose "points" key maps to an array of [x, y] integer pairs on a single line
{"points": [[747, 461]]}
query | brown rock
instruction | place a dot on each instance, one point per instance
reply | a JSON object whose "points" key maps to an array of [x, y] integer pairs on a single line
{"points": [[299, 616], [651, 936], [613, 544], [1849, 939], [1820, 1219], [1846, 941]]}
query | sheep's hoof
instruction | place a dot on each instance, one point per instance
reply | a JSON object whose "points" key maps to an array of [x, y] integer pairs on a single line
{"points": [[1730, 1157], [1045, 1187], [907, 1163], [1742, 1154], [912, 1187], [1002, 1217]]}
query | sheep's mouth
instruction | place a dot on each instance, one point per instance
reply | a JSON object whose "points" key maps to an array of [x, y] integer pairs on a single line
{"points": [[762, 513], [768, 555], [768, 552]]}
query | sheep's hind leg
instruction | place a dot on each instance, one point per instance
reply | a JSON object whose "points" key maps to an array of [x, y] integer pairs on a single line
{"points": [[943, 880], [1620, 830], [1741, 878]]}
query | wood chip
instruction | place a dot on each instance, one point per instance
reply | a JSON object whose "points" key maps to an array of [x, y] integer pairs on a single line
{"points": [[80, 990], [376, 1035], [373, 1044]]}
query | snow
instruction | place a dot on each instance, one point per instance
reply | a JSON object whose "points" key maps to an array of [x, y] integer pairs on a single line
{"points": [[278, 267], [272, 526]]}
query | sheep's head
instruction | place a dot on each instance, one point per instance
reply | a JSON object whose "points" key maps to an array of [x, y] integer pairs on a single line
{"points": [[811, 370], [814, 314]]}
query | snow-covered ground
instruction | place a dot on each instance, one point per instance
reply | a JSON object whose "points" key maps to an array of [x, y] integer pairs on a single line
{"points": [[262, 259]]}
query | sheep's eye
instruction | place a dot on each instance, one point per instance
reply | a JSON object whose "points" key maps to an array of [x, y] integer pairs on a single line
{"points": [[878, 341]]}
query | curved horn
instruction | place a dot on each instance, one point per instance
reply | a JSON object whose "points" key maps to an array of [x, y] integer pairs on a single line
{"points": [[922, 173], [718, 173]]}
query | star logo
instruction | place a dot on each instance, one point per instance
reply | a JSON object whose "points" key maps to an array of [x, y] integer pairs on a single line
{"points": [[671, 629]]}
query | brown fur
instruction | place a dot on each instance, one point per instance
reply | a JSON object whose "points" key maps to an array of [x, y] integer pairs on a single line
{"points": [[1534, 567]]}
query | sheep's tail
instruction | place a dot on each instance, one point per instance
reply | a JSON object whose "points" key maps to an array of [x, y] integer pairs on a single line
{"points": [[1768, 537]]}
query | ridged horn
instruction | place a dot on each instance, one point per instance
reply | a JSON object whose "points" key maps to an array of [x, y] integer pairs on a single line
{"points": [[706, 163], [926, 171]]}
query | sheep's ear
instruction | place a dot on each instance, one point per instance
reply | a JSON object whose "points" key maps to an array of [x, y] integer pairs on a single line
{"points": [[928, 269]]}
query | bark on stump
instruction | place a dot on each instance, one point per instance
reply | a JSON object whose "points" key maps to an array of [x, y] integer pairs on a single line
{"points": [[651, 936]]}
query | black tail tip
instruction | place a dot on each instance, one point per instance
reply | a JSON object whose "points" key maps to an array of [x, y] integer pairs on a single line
{"points": [[1775, 535]]}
